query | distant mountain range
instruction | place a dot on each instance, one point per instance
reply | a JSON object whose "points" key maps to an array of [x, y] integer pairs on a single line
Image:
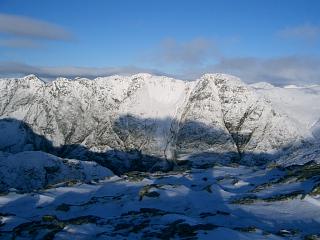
{"points": [[145, 122]]}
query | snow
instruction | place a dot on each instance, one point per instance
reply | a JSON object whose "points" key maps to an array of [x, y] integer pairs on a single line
{"points": [[315, 129], [299, 103], [181, 197], [32, 170], [209, 122]]}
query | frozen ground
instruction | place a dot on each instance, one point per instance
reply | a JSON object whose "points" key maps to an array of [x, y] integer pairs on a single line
{"points": [[222, 202]]}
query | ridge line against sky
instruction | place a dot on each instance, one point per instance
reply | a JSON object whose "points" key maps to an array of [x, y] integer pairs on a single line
{"points": [[271, 41]]}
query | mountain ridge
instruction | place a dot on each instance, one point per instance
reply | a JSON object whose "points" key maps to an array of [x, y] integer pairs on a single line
{"points": [[158, 116]]}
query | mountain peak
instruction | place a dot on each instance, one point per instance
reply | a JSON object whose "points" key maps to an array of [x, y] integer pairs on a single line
{"points": [[262, 85], [222, 79], [31, 77], [142, 75]]}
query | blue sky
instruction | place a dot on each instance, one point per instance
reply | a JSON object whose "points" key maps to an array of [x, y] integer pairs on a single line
{"points": [[258, 40]]}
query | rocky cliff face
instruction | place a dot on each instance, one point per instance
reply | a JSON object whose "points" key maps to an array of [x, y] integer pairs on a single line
{"points": [[142, 121]]}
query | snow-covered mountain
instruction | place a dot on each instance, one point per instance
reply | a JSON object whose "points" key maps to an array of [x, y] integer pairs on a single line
{"points": [[299, 103], [147, 123], [153, 119]]}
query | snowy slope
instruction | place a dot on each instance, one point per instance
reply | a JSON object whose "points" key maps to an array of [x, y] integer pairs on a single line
{"points": [[300, 103], [216, 203], [27, 171], [315, 129]]}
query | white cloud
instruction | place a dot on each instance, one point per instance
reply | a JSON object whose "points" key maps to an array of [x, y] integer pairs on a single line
{"points": [[21, 26], [18, 69], [19, 43], [194, 52], [298, 70], [200, 56], [306, 32]]}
